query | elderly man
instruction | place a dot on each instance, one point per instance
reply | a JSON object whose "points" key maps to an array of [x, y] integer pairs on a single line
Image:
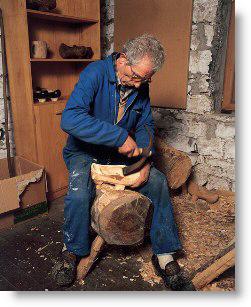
{"points": [[105, 118]]}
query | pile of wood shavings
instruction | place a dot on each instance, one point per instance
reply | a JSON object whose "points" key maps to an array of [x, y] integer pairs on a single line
{"points": [[205, 229], [225, 284], [147, 272]]}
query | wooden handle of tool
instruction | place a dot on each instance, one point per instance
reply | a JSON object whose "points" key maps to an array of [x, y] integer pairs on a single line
{"points": [[140, 152]]}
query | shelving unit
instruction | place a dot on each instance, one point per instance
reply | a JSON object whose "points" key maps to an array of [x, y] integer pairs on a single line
{"points": [[59, 17], [37, 132], [63, 60]]}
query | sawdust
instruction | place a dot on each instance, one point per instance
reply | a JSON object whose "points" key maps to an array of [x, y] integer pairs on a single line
{"points": [[225, 284], [204, 230], [147, 272]]}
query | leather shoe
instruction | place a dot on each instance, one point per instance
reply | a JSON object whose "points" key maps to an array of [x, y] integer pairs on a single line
{"points": [[65, 269], [173, 276]]}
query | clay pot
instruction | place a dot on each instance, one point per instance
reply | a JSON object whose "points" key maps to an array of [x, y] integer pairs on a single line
{"points": [[39, 50]]}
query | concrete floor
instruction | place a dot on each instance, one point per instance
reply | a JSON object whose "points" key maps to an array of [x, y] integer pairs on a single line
{"points": [[30, 247]]}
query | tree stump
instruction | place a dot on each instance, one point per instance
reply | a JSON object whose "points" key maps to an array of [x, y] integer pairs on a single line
{"points": [[119, 216]]}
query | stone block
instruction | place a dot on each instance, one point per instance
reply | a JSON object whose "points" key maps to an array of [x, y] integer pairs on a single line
{"points": [[209, 32], [194, 158], [225, 131], [196, 129], [3, 153], [213, 147], [229, 172], [181, 142], [204, 10], [225, 118], [218, 183], [210, 134], [229, 149], [201, 173], [199, 104], [199, 61], [199, 84]]}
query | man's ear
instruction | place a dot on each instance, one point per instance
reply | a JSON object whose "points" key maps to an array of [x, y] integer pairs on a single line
{"points": [[122, 58]]}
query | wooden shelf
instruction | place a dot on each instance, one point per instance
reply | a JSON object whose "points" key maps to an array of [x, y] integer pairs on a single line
{"points": [[38, 123], [46, 103], [59, 17], [63, 60]]}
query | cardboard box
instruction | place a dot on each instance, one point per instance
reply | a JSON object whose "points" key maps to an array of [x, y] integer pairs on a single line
{"points": [[26, 189], [6, 221]]}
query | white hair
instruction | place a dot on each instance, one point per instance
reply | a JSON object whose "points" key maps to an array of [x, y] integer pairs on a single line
{"points": [[137, 48]]}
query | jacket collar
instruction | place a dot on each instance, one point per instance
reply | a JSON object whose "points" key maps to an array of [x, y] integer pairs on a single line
{"points": [[110, 67]]}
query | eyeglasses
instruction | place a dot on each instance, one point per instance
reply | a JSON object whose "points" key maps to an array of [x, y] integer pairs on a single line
{"points": [[139, 78]]}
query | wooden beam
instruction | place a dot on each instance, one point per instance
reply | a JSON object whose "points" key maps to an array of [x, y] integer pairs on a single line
{"points": [[222, 262]]}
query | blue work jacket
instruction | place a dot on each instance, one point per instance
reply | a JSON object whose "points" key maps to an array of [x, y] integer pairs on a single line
{"points": [[90, 115]]}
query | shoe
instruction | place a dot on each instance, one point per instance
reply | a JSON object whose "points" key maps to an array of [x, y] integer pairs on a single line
{"points": [[65, 269], [40, 94], [173, 277], [53, 95]]}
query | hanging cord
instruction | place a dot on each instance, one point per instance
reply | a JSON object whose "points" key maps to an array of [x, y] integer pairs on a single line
{"points": [[6, 99]]}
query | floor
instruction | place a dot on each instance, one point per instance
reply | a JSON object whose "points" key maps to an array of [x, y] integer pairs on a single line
{"points": [[29, 250]]}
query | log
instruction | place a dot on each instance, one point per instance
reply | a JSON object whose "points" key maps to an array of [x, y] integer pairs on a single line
{"points": [[201, 192], [119, 217], [213, 269], [175, 164]]}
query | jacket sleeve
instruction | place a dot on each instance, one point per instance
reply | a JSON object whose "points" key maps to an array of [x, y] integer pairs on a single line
{"points": [[146, 119], [76, 119]]}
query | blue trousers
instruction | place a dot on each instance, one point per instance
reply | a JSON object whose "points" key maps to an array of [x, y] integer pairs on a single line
{"points": [[81, 193]]}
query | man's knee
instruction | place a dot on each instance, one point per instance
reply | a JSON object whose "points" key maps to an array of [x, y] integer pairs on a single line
{"points": [[81, 189], [157, 178]]}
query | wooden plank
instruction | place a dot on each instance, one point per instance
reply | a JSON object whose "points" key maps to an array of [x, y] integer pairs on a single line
{"points": [[63, 60], [19, 70], [25, 74], [170, 21], [48, 128], [228, 102], [219, 266], [59, 17]]}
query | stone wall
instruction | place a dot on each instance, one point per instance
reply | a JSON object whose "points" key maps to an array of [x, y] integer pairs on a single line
{"points": [[201, 127], [201, 130]]}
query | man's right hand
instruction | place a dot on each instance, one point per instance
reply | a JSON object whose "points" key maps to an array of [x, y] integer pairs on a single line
{"points": [[129, 148]]}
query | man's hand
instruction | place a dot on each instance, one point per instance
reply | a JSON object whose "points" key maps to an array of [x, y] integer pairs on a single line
{"points": [[129, 148], [144, 175]]}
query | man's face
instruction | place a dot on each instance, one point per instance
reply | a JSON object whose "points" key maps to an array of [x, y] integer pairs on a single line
{"points": [[135, 75]]}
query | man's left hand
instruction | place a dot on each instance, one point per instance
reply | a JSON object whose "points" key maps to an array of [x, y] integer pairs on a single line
{"points": [[144, 175]]}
